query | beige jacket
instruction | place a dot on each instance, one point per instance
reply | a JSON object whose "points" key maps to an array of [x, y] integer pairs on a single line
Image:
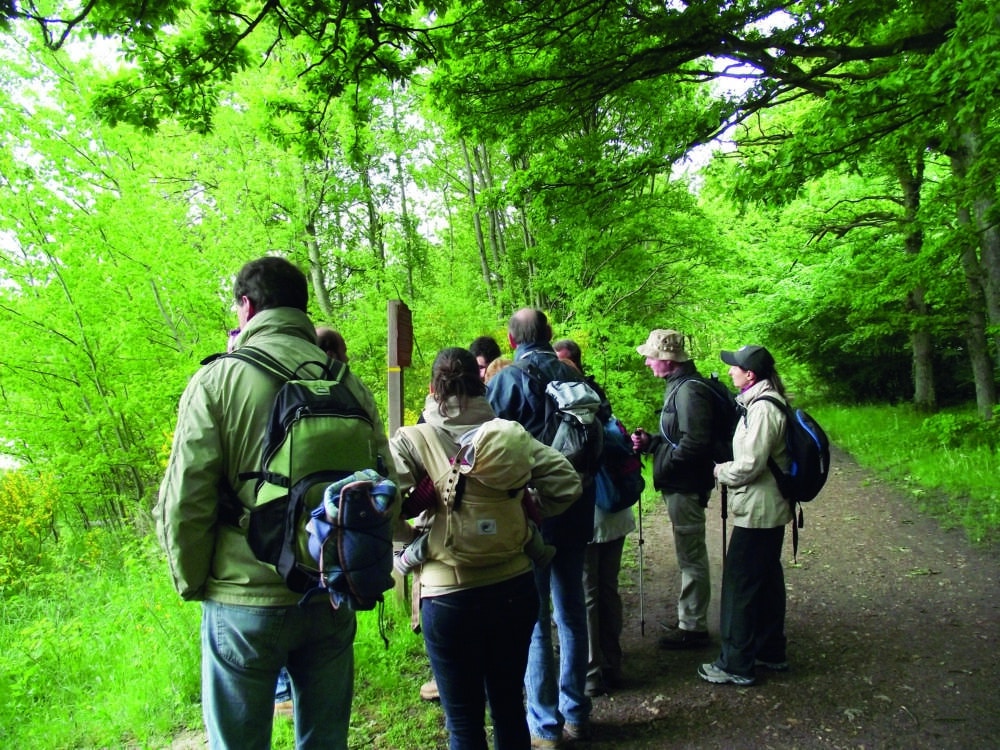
{"points": [[552, 475], [754, 499]]}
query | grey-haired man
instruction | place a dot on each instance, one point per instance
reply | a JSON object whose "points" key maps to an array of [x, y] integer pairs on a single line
{"points": [[682, 472]]}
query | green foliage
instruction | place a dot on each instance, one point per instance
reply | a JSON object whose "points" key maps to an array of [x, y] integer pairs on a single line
{"points": [[946, 474], [100, 652], [28, 507], [961, 431]]}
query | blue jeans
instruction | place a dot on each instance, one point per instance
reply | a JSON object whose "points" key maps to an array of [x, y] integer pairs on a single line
{"points": [[242, 651], [283, 692], [556, 698], [477, 641]]}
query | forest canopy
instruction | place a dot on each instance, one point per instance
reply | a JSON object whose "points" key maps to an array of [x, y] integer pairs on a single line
{"points": [[819, 177]]}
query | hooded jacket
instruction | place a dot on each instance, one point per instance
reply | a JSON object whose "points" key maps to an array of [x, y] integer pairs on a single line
{"points": [[221, 423], [552, 475], [514, 395], [754, 499]]}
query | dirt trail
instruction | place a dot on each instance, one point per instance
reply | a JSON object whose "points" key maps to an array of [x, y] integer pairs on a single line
{"points": [[893, 627]]}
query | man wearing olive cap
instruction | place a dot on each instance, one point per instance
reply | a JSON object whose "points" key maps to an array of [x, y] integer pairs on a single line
{"points": [[682, 472]]}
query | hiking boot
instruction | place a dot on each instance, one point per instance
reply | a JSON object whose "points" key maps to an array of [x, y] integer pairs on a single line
{"points": [[429, 691], [676, 639], [711, 673], [774, 666], [577, 732], [594, 688], [284, 708], [613, 678]]}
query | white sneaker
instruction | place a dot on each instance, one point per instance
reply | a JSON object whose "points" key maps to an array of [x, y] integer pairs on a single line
{"points": [[711, 673]]}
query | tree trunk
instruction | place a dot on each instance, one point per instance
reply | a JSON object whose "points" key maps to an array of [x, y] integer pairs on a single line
{"points": [[911, 179], [980, 193], [977, 275], [477, 222], [982, 364]]}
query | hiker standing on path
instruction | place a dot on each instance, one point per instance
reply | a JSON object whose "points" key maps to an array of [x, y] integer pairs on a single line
{"points": [[601, 567], [752, 606], [682, 472], [477, 620], [558, 706], [252, 623]]}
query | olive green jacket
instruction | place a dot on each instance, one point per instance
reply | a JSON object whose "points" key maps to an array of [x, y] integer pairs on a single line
{"points": [[221, 423]]}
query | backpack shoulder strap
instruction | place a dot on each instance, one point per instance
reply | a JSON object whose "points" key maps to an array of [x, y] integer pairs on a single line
{"points": [[436, 459], [533, 371], [669, 402], [783, 405], [332, 369], [262, 361], [786, 410]]}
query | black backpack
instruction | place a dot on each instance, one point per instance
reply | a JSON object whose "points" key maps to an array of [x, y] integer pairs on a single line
{"points": [[809, 452], [725, 415], [571, 420]]}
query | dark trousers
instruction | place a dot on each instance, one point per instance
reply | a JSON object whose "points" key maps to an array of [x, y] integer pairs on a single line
{"points": [[753, 601], [477, 640]]}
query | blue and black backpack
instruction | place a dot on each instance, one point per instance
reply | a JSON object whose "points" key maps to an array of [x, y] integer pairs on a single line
{"points": [[619, 483]]}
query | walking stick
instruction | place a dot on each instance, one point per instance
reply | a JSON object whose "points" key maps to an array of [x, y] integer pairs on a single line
{"points": [[724, 493], [642, 542], [642, 613]]}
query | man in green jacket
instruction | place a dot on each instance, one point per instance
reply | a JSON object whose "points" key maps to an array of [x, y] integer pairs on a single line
{"points": [[251, 621]]}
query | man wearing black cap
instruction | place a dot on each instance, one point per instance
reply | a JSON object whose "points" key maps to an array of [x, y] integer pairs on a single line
{"points": [[682, 471]]}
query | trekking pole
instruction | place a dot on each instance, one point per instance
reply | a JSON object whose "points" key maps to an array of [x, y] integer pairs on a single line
{"points": [[724, 493], [642, 614], [642, 611]]}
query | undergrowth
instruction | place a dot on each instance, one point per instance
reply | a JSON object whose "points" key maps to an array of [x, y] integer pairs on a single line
{"points": [[100, 652], [947, 462]]}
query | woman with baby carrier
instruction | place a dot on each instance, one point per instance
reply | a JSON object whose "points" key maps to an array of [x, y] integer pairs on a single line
{"points": [[469, 473]]}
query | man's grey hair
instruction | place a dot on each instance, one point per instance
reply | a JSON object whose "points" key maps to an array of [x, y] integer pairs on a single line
{"points": [[529, 326]]}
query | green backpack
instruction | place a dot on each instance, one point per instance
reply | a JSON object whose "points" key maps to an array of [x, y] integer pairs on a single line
{"points": [[317, 435]]}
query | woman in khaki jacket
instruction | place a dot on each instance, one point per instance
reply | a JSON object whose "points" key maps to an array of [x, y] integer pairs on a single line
{"points": [[752, 620], [477, 616]]}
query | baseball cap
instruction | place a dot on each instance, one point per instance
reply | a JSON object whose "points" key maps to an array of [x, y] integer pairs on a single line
{"points": [[751, 357]]}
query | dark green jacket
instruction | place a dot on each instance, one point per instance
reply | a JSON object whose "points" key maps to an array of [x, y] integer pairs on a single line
{"points": [[682, 452]]}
